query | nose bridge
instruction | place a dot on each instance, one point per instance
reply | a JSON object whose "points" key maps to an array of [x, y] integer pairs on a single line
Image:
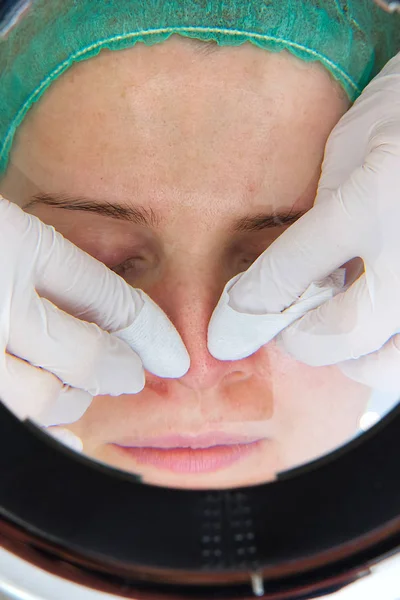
{"points": [[194, 306], [192, 297]]}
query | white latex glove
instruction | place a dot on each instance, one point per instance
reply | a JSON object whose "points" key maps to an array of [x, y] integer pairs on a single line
{"points": [[356, 214], [58, 306]]}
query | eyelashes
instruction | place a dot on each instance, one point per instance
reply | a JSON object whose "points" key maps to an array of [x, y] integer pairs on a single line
{"points": [[133, 265], [136, 265], [249, 261]]}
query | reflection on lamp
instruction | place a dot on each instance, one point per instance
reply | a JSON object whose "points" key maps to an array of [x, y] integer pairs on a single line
{"points": [[368, 420], [380, 403]]}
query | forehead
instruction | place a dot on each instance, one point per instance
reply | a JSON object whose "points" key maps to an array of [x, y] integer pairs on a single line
{"points": [[164, 123]]}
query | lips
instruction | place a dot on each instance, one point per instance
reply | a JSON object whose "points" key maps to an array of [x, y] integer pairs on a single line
{"points": [[205, 453]]}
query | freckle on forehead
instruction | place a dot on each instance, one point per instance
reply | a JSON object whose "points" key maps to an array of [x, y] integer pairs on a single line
{"points": [[251, 187]]}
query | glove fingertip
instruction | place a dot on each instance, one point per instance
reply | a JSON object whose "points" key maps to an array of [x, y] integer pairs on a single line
{"points": [[156, 341]]}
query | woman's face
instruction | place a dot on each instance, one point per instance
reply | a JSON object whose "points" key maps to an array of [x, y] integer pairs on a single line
{"points": [[217, 154]]}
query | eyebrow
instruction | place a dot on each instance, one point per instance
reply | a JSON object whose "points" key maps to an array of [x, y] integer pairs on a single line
{"points": [[147, 217]]}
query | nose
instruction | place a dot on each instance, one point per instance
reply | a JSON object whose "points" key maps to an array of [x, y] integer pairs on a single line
{"points": [[190, 307], [206, 372]]}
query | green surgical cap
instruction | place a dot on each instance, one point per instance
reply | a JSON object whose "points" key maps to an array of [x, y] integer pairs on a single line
{"points": [[353, 39]]}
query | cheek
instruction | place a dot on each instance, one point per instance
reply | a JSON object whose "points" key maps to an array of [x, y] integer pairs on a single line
{"points": [[316, 409], [312, 389]]}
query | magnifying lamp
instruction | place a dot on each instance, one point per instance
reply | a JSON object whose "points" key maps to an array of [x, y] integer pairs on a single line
{"points": [[313, 531], [74, 527]]}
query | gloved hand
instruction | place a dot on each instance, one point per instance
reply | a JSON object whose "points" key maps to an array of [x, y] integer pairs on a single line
{"points": [[58, 306], [356, 214]]}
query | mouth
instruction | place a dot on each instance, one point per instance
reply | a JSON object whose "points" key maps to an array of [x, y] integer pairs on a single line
{"points": [[204, 453]]}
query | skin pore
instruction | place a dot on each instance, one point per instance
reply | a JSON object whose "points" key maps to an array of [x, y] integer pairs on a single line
{"points": [[200, 143]]}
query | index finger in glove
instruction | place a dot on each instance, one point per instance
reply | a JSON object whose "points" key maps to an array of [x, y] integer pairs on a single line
{"points": [[85, 288], [340, 228], [66, 275], [308, 251]]}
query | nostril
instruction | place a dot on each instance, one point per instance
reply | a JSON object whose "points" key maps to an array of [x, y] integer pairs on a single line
{"points": [[236, 376], [215, 373]]}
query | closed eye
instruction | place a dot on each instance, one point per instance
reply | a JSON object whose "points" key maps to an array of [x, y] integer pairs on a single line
{"points": [[135, 263]]}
